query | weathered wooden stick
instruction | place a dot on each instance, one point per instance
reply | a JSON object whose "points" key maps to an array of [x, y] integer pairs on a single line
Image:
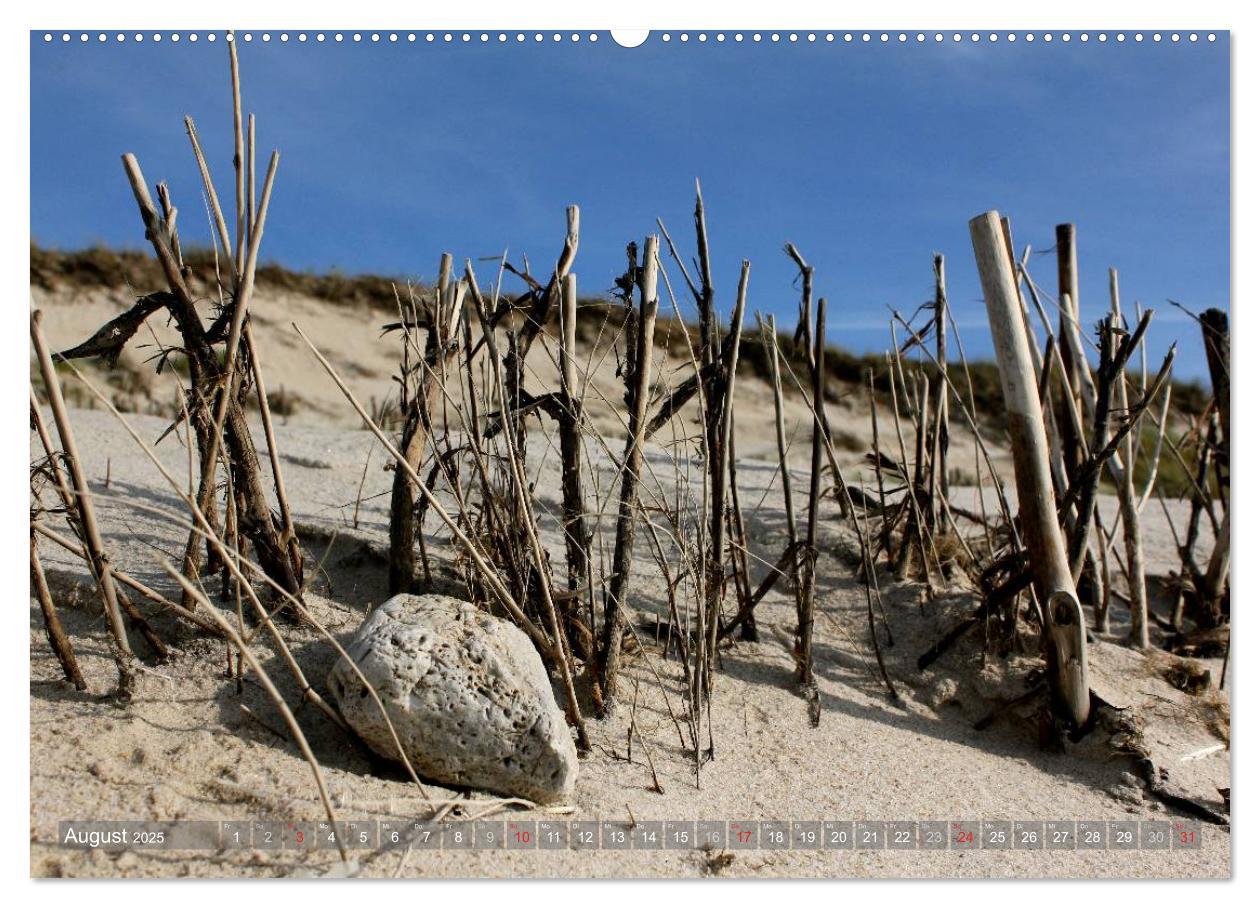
{"points": [[1139, 634], [1069, 325], [1064, 636], [57, 638], [770, 341], [269, 686], [231, 375], [122, 577], [577, 539], [1090, 395], [739, 540], [885, 532], [440, 349], [1215, 326], [940, 432], [273, 452], [206, 374], [238, 155], [120, 647], [614, 600], [805, 615], [802, 339], [721, 406]]}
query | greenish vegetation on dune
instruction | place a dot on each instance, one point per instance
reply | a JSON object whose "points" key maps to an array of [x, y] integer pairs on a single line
{"points": [[101, 267]]}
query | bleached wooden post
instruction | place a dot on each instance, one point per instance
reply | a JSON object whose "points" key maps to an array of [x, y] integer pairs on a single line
{"points": [[1064, 622]]}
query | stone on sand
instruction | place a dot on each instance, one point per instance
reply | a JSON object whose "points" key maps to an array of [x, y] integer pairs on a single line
{"points": [[468, 696]]}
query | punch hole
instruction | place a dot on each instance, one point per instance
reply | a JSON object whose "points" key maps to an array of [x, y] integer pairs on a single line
{"points": [[630, 37]]}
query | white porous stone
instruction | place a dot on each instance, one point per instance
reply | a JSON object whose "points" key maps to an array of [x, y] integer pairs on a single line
{"points": [[468, 696]]}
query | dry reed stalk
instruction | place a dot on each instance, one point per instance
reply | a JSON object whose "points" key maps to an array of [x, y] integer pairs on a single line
{"points": [[222, 242], [515, 459], [136, 621], [199, 529], [916, 531], [238, 155], [120, 648], [57, 639], [290, 537], [639, 383], [885, 531], [722, 417], [739, 547], [576, 536], [205, 372], [251, 197], [230, 376], [770, 341], [440, 348], [1074, 445], [1094, 397], [971, 420], [486, 572], [269, 686], [121, 576], [940, 431]]}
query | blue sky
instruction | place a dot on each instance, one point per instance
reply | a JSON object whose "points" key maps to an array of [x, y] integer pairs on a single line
{"points": [[869, 157]]}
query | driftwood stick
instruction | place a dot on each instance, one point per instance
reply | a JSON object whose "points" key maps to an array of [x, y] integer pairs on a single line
{"points": [[273, 451], [802, 340], [440, 349], [940, 432], [1064, 622], [805, 615], [576, 537], [231, 376], [722, 415], [641, 384], [739, 547], [1069, 324], [770, 340], [238, 155], [885, 532], [1215, 326], [101, 570], [57, 638], [1093, 396]]}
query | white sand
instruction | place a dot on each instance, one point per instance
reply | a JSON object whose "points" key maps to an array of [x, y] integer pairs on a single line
{"points": [[184, 749]]}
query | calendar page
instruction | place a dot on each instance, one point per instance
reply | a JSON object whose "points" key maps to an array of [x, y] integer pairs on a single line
{"points": [[777, 453]]}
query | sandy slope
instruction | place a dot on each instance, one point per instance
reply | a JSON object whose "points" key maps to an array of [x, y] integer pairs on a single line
{"points": [[352, 340], [185, 749]]}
